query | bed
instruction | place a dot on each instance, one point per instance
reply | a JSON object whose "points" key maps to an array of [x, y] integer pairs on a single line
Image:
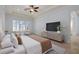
{"points": [[34, 44], [31, 44]]}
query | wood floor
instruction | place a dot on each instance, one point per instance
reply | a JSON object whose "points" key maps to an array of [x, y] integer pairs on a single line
{"points": [[63, 45]]}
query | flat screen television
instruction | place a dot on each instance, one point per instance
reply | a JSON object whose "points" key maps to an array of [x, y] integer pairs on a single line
{"points": [[53, 26]]}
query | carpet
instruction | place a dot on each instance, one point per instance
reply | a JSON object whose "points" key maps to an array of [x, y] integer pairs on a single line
{"points": [[56, 50]]}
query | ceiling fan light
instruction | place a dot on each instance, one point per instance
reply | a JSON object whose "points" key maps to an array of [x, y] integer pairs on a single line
{"points": [[31, 10]]}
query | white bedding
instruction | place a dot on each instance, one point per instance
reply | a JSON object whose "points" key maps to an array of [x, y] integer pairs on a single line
{"points": [[19, 50], [31, 46], [7, 50]]}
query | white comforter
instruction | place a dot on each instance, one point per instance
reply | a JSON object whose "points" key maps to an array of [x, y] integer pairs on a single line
{"points": [[31, 46]]}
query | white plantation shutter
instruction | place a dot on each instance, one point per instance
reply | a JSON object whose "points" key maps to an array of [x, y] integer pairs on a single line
{"points": [[19, 25]]}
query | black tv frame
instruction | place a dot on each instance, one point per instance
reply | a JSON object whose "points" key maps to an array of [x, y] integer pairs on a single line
{"points": [[53, 26]]}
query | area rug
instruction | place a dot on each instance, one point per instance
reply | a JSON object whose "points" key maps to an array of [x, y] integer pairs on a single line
{"points": [[56, 50]]}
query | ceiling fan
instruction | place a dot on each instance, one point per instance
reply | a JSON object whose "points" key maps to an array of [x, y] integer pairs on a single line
{"points": [[32, 8]]}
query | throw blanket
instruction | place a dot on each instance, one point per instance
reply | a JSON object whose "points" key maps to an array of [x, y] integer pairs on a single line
{"points": [[45, 43]]}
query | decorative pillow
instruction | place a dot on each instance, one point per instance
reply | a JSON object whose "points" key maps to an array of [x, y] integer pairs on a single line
{"points": [[14, 40], [18, 38], [6, 42]]}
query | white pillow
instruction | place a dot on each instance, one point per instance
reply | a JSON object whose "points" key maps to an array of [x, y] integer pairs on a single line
{"points": [[14, 40], [6, 42]]}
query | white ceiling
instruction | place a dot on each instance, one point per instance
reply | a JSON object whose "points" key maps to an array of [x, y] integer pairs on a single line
{"points": [[19, 9]]}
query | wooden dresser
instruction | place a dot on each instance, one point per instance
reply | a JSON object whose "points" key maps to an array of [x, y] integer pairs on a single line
{"points": [[53, 35]]}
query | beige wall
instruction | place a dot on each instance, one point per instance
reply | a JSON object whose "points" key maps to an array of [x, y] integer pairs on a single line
{"points": [[10, 18], [2, 18], [61, 14]]}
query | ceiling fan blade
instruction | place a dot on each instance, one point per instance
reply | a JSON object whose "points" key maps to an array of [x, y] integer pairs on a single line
{"points": [[32, 6], [35, 10], [36, 7]]}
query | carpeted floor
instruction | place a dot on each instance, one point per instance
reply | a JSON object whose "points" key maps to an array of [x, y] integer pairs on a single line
{"points": [[56, 50]]}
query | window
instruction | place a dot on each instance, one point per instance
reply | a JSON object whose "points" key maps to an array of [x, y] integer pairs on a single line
{"points": [[19, 25]]}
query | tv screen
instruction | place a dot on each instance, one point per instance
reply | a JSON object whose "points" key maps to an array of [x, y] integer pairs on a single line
{"points": [[52, 26]]}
